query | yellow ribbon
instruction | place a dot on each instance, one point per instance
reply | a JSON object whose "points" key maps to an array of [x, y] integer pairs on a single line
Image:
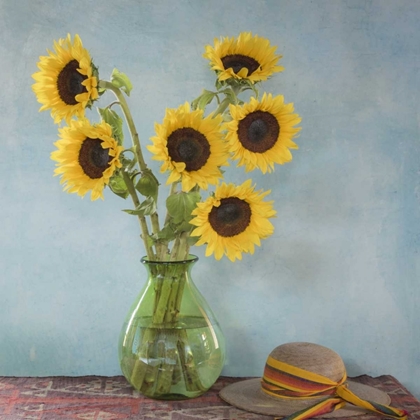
{"points": [[282, 380]]}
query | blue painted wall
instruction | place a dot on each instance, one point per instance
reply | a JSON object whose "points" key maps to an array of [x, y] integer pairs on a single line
{"points": [[342, 268]]}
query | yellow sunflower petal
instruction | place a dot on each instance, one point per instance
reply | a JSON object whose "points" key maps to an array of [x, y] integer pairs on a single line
{"points": [[65, 84], [261, 132], [245, 57], [86, 156], [190, 146], [233, 221]]}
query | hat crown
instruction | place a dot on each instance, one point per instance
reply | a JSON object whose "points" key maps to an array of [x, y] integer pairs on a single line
{"points": [[311, 357]]}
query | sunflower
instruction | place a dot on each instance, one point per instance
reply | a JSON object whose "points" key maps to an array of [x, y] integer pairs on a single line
{"points": [[87, 156], [233, 220], [261, 132], [67, 82], [247, 57], [190, 146]]}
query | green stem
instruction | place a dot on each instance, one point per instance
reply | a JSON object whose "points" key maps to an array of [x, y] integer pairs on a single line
{"points": [[171, 309], [180, 249], [190, 372], [166, 341], [160, 312], [143, 224], [165, 371], [183, 246], [130, 122], [171, 192], [237, 90], [222, 107], [175, 248], [225, 103], [138, 152]]}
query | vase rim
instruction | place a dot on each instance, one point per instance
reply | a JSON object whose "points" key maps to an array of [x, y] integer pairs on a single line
{"points": [[191, 259]]}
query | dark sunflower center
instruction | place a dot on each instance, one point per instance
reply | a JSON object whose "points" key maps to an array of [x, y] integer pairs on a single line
{"points": [[239, 61], [231, 218], [189, 146], [93, 159], [69, 83], [258, 131]]}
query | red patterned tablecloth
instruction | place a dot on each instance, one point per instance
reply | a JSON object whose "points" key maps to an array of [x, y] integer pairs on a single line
{"points": [[109, 398]]}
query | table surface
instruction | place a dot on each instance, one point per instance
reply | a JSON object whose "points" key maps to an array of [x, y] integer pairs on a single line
{"points": [[112, 398]]}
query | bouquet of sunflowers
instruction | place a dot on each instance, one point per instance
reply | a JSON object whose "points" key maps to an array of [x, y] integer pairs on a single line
{"points": [[192, 145]]}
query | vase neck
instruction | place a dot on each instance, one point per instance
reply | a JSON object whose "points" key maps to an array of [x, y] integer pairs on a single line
{"points": [[191, 260], [169, 270]]}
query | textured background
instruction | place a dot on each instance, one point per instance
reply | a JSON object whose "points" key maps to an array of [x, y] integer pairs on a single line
{"points": [[342, 268]]}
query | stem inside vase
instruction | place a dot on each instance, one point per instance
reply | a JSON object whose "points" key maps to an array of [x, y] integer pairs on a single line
{"points": [[171, 346]]}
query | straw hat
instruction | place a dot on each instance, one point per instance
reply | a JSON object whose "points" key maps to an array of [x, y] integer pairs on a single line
{"points": [[298, 376]]}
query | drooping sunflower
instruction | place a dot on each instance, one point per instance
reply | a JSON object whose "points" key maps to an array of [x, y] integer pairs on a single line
{"points": [[87, 156], [246, 57], [190, 146], [67, 80], [233, 221], [261, 132]]}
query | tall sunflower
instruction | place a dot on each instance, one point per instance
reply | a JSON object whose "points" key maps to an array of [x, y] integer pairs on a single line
{"points": [[233, 221], [246, 57], [261, 132], [87, 156], [67, 80], [190, 146]]}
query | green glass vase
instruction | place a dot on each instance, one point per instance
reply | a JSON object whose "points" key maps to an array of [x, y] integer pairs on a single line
{"points": [[171, 345]]}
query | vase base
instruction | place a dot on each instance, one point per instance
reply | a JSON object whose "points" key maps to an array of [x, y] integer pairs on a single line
{"points": [[174, 397], [179, 363]]}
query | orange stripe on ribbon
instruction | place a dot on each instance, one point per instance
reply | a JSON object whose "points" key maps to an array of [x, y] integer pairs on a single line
{"points": [[282, 380]]}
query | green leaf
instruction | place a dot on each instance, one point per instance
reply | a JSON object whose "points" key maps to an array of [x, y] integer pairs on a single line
{"points": [[171, 230], [253, 87], [230, 96], [194, 103], [133, 212], [167, 233], [147, 185], [117, 185], [149, 240], [205, 98], [184, 227], [180, 205], [219, 85], [191, 240], [121, 81], [126, 162], [146, 208], [257, 93], [115, 121]]}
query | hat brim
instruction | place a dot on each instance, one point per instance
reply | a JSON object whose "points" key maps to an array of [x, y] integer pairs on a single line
{"points": [[247, 395]]}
